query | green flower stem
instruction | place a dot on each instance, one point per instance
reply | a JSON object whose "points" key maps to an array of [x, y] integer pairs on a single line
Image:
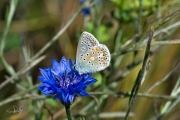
{"points": [[68, 112]]}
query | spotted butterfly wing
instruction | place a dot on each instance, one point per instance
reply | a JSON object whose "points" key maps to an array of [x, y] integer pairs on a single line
{"points": [[91, 56], [86, 42]]}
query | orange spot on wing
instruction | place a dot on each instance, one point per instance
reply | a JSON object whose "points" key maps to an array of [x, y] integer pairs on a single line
{"points": [[104, 63]]}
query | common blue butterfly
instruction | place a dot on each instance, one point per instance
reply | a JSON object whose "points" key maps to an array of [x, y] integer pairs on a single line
{"points": [[91, 56]]}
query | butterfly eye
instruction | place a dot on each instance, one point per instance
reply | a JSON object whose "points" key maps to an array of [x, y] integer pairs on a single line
{"points": [[84, 59], [87, 54]]}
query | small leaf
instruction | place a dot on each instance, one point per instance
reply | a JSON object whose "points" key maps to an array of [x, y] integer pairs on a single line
{"points": [[102, 35], [99, 78]]}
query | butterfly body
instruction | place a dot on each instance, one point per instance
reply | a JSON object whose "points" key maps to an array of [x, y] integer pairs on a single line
{"points": [[91, 56]]}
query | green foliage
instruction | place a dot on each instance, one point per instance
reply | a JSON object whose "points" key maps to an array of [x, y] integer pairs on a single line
{"points": [[101, 31], [13, 42], [98, 76], [133, 4], [102, 35], [127, 10]]}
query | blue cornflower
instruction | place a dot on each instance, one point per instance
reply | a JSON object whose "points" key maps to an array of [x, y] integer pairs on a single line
{"points": [[85, 11], [63, 82]]}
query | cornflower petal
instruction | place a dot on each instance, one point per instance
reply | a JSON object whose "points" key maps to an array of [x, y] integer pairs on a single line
{"points": [[90, 81], [83, 93], [56, 67], [63, 82]]}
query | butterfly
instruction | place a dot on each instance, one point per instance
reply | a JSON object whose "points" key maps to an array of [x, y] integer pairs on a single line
{"points": [[91, 56]]}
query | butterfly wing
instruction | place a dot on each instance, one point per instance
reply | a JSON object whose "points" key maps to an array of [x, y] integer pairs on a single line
{"points": [[104, 57], [86, 42], [91, 56]]}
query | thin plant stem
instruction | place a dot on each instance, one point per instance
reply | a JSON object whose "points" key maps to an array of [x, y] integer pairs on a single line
{"points": [[23, 96], [22, 71], [140, 76], [140, 15], [164, 79], [68, 112], [29, 90], [140, 47], [127, 94], [13, 5], [170, 105], [167, 42], [164, 30], [26, 54], [29, 97], [165, 20], [8, 68]]}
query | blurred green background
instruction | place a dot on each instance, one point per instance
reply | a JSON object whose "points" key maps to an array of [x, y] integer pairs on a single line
{"points": [[113, 23]]}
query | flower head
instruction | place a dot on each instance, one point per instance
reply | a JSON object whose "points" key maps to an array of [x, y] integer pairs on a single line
{"points": [[85, 11], [63, 82]]}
